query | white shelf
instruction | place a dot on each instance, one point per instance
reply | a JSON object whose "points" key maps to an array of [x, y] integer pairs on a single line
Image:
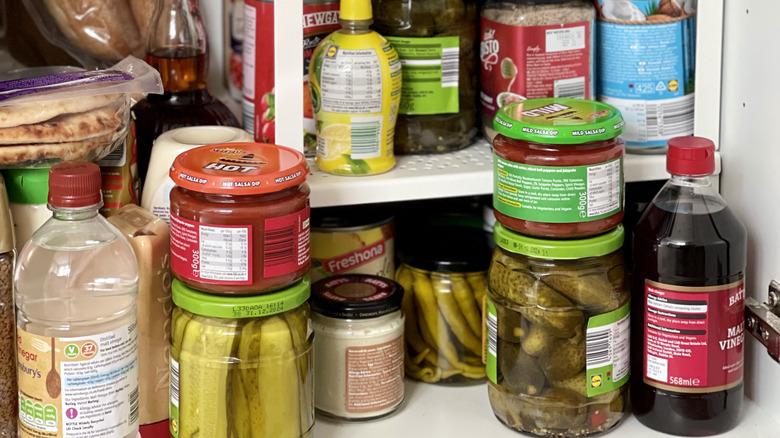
{"points": [[434, 411], [462, 173]]}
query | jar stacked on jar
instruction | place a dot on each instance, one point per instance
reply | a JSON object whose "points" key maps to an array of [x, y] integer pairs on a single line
{"points": [[558, 302], [241, 343]]}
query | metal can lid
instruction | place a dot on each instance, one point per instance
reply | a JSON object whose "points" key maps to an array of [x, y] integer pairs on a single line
{"points": [[446, 248], [569, 249], [239, 168], [355, 296], [558, 120], [234, 307]]}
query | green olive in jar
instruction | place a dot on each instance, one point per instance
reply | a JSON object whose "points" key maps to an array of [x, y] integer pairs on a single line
{"points": [[438, 43]]}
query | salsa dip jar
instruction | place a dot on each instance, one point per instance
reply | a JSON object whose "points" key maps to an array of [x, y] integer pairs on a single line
{"points": [[239, 218], [358, 346], [558, 167]]}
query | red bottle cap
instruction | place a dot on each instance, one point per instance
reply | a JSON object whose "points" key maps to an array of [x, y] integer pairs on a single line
{"points": [[74, 184], [691, 156]]}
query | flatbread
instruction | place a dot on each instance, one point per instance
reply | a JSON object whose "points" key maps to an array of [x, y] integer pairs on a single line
{"points": [[65, 128], [46, 154], [28, 113]]}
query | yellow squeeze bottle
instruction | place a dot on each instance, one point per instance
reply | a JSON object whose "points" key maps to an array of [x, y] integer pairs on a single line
{"points": [[355, 86]]}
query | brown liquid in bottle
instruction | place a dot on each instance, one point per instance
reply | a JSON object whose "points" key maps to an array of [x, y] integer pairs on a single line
{"points": [[696, 244]]}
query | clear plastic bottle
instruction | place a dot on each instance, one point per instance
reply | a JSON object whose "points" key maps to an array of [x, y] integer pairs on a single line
{"points": [[687, 324], [76, 283]]}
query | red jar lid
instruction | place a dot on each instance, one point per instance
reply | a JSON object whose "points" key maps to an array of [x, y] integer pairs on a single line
{"points": [[239, 168]]}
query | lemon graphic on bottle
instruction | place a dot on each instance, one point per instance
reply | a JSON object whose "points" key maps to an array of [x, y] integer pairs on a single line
{"points": [[355, 86]]}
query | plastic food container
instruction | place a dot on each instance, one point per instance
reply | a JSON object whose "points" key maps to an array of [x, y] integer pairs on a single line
{"points": [[438, 43], [242, 364], [28, 193], [358, 347], [558, 167], [558, 330], [443, 273], [239, 218]]}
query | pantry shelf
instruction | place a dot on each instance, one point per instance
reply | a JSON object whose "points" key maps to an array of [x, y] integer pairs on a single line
{"points": [[462, 173], [441, 411]]}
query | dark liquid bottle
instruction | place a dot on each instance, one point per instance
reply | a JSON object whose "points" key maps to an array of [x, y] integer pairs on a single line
{"points": [[177, 49], [688, 302]]}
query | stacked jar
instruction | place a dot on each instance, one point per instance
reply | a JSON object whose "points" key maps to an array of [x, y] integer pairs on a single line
{"points": [[241, 341], [558, 302]]}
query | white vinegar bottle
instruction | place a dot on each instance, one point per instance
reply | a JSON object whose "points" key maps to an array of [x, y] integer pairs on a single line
{"points": [[76, 282]]}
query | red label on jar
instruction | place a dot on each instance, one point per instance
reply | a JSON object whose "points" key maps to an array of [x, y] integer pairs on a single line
{"points": [[526, 62], [286, 243], [219, 254], [693, 337]]}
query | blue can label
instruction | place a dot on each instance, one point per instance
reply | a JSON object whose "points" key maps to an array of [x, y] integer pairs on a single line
{"points": [[646, 67]]}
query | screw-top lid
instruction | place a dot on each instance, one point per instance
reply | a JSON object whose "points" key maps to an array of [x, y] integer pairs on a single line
{"points": [[691, 156], [74, 184], [446, 248], [232, 307], [239, 168], [558, 120], [27, 186], [355, 296], [355, 10], [597, 246]]}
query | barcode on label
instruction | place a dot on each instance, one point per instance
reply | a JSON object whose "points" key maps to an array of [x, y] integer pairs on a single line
{"points": [[279, 246], [134, 410], [597, 348], [365, 137], [248, 116], [450, 64], [492, 332], [668, 118], [174, 383], [574, 88]]}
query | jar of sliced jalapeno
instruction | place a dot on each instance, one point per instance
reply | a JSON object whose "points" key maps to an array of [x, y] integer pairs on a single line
{"points": [[437, 41]]}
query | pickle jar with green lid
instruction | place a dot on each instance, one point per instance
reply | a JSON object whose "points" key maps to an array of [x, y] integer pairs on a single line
{"points": [[443, 272], [241, 366], [557, 318], [438, 43]]}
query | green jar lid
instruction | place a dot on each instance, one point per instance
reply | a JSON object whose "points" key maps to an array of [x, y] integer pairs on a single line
{"points": [[231, 307], [558, 120], [600, 245], [27, 186]]}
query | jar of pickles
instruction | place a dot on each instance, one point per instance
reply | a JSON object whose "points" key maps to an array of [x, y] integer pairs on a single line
{"points": [[241, 366], [443, 273], [558, 331], [437, 41]]}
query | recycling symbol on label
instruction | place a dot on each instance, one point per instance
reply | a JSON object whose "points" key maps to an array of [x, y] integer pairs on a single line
{"points": [[660, 87]]}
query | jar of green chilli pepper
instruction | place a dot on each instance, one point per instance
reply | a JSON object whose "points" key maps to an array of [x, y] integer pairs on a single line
{"points": [[438, 43]]}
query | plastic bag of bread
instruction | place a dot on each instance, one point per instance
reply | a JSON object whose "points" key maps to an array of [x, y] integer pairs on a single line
{"points": [[97, 33], [49, 115]]}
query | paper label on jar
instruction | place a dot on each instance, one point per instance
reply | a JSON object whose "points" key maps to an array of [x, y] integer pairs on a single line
{"points": [[370, 251], [693, 336], [558, 194], [80, 387], [286, 243], [526, 62], [431, 69], [491, 347], [607, 359], [374, 376]]}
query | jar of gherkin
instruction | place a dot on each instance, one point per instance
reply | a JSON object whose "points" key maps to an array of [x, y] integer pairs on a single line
{"points": [[241, 366], [558, 330], [437, 41]]}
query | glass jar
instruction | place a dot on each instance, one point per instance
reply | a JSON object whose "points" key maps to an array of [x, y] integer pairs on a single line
{"points": [[443, 273], [9, 393], [438, 111], [558, 169], [242, 364], [358, 347], [239, 218], [533, 49], [558, 330]]}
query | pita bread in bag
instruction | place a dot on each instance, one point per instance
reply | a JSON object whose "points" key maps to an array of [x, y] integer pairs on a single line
{"points": [[27, 113], [65, 128], [45, 154]]}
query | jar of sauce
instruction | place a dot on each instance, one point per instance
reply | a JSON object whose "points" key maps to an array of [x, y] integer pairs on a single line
{"points": [[558, 167], [239, 218]]}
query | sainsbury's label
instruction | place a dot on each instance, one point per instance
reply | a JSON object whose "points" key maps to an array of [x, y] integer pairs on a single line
{"points": [[693, 336]]}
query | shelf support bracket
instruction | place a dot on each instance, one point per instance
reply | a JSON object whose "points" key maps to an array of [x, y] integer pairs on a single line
{"points": [[762, 320]]}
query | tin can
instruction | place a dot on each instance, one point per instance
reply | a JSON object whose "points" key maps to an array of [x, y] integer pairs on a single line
{"points": [[352, 240], [646, 68], [320, 18]]}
